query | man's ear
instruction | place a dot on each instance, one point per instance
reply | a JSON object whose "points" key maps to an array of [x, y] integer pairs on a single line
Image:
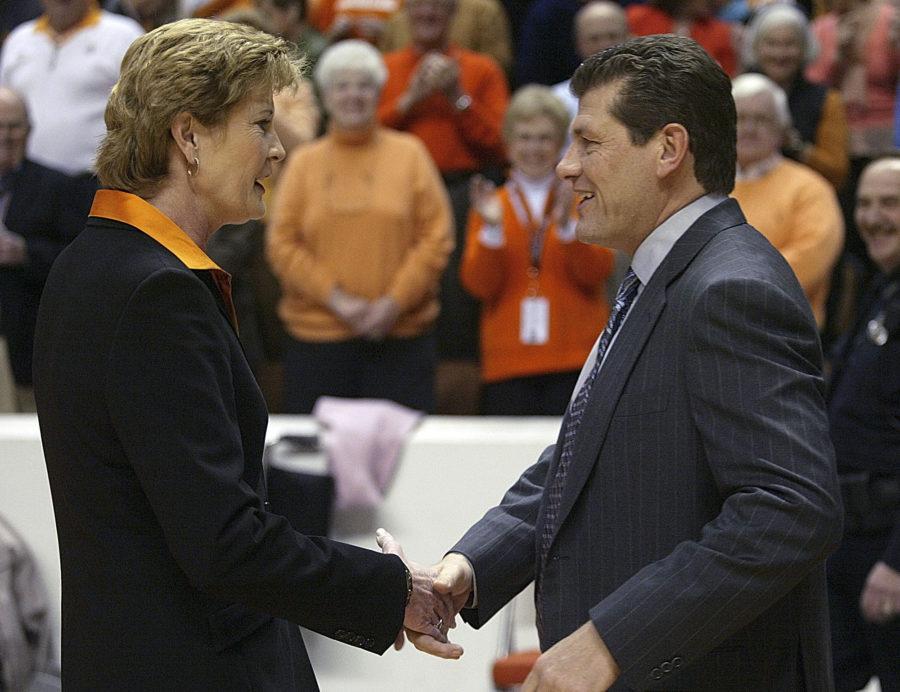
{"points": [[184, 134], [674, 146]]}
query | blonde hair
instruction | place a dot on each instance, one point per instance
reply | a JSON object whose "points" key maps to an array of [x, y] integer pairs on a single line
{"points": [[531, 101], [199, 66]]}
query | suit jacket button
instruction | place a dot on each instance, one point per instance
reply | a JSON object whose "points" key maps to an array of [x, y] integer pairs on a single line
{"points": [[656, 674], [666, 667], [677, 661]]}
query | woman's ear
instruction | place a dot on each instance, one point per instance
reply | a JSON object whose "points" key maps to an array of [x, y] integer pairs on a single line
{"points": [[184, 133], [674, 146]]}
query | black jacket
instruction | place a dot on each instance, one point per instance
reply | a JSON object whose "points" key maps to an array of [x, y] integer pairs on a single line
{"points": [[174, 575]]}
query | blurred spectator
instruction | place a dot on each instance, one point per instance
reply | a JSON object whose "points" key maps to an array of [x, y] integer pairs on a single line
{"points": [[148, 13], [340, 19], [38, 217], [289, 19], [598, 25], [359, 235], [864, 410], [789, 203], [14, 13], [64, 65], [859, 56], [453, 99], [778, 43], [692, 18], [545, 53], [478, 25], [541, 291]]}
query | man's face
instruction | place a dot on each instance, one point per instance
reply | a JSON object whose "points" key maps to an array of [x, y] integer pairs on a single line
{"points": [[13, 134], [429, 22], [282, 19], [599, 30], [759, 134], [64, 14], [878, 213], [614, 179]]}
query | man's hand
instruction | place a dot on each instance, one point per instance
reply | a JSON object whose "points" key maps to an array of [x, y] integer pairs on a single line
{"points": [[880, 600], [428, 614], [580, 662], [379, 318], [454, 579]]}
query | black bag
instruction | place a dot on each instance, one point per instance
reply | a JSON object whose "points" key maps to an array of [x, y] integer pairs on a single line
{"points": [[304, 497]]}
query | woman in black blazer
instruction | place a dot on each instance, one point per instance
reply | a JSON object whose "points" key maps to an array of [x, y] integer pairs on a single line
{"points": [[174, 573]]}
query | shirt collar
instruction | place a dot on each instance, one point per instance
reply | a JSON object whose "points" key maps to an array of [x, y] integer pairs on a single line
{"points": [[134, 211], [659, 243], [92, 17]]}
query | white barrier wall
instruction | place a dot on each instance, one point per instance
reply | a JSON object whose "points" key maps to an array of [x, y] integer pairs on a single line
{"points": [[452, 470]]}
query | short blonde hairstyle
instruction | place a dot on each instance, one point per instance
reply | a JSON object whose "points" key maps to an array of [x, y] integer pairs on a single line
{"points": [[531, 101], [200, 66]]}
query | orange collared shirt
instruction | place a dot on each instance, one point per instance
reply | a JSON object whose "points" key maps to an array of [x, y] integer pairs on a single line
{"points": [[139, 213]]}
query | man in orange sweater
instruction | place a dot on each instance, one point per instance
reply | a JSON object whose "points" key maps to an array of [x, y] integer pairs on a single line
{"points": [[454, 100]]}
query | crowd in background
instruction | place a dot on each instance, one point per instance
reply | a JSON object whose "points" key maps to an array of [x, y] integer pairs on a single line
{"points": [[374, 275]]}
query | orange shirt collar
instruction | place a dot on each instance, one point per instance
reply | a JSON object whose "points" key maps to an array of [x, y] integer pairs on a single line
{"points": [[90, 19], [131, 209]]}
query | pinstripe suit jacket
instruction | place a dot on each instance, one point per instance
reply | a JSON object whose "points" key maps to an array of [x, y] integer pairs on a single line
{"points": [[702, 497]]}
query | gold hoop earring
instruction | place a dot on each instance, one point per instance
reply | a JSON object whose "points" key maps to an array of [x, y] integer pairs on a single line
{"points": [[192, 173]]}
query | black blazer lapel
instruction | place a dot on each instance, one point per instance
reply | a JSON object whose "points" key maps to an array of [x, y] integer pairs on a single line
{"points": [[628, 346]]}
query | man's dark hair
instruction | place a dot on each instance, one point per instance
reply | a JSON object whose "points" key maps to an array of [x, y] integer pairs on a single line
{"points": [[670, 79]]}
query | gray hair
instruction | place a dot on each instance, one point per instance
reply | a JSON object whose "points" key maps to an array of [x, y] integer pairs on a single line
{"points": [[352, 54], [751, 84], [775, 15]]}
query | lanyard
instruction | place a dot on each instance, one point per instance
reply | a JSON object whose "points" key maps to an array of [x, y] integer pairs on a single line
{"points": [[536, 231]]}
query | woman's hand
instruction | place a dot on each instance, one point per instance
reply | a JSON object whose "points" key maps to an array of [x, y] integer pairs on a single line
{"points": [[484, 200], [349, 308]]}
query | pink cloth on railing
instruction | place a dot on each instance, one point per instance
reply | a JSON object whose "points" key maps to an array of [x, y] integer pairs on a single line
{"points": [[362, 439]]}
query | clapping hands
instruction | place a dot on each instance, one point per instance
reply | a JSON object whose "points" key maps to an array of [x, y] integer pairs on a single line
{"points": [[439, 593]]}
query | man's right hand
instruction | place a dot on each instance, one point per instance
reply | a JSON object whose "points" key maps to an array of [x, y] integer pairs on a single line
{"points": [[455, 579]]}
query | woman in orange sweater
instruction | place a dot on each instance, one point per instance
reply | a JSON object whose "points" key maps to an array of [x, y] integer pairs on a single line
{"points": [[359, 236], [542, 292]]}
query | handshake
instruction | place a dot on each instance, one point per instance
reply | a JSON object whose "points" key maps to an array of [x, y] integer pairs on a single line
{"points": [[438, 594]]}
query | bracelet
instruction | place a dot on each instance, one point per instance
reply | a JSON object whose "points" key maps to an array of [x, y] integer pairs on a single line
{"points": [[409, 584]]}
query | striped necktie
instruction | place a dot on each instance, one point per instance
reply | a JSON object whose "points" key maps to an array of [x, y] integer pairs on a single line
{"points": [[624, 298]]}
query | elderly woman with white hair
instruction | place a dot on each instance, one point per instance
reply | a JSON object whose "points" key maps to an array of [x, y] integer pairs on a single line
{"points": [[779, 44], [359, 237], [788, 202]]}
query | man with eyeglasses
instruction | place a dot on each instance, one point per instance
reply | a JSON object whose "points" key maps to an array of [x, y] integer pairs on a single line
{"points": [[39, 215]]}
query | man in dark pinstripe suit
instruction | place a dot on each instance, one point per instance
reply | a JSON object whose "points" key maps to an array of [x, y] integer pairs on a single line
{"points": [[678, 529]]}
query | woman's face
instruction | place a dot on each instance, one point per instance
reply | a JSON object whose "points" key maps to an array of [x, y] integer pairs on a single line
{"points": [[351, 98], [780, 52], [234, 159], [534, 146]]}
